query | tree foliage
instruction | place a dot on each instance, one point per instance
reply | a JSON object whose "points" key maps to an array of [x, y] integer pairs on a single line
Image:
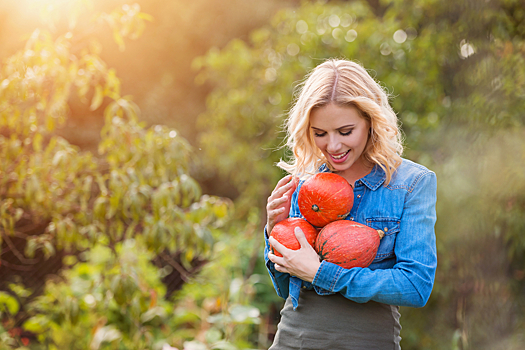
{"points": [[109, 214]]}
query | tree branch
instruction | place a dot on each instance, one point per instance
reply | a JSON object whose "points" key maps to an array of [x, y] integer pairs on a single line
{"points": [[183, 274], [15, 251], [16, 267]]}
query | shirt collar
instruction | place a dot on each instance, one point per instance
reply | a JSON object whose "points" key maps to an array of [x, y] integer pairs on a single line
{"points": [[373, 180]]}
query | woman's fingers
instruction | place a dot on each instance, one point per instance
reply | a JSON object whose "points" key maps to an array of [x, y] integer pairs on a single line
{"points": [[283, 186], [274, 203], [278, 261], [277, 245], [279, 201], [275, 209], [273, 214], [303, 262], [283, 181], [276, 212], [301, 238]]}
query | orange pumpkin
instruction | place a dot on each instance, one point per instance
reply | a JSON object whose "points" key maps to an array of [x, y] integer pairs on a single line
{"points": [[283, 232], [325, 197], [348, 244]]}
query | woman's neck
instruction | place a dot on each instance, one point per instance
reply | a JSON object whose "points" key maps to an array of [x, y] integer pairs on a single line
{"points": [[358, 170]]}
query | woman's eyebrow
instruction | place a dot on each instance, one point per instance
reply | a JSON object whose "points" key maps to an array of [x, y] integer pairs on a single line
{"points": [[346, 126], [342, 127]]}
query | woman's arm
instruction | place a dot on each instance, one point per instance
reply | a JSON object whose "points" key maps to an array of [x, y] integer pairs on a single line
{"points": [[277, 209], [281, 281]]}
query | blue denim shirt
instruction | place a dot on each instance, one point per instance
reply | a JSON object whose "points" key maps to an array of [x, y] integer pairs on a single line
{"points": [[403, 270]]}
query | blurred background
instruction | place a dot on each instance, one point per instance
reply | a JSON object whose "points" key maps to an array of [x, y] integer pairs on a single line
{"points": [[138, 143]]}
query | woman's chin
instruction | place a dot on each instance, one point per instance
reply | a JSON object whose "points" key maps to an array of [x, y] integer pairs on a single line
{"points": [[340, 166]]}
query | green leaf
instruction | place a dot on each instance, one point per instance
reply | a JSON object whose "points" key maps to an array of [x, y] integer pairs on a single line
{"points": [[119, 40], [37, 324], [103, 335], [50, 124], [152, 313], [223, 345], [37, 142], [49, 249], [98, 97], [31, 246], [20, 290], [8, 303], [194, 345], [245, 314], [145, 16]]}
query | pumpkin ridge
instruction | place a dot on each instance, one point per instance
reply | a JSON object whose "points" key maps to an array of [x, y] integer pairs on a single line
{"points": [[321, 248], [347, 244], [338, 191]]}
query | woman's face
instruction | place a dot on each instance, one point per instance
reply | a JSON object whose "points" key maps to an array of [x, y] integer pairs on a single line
{"points": [[341, 134]]}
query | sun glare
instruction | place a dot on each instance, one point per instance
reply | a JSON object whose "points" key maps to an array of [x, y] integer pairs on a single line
{"points": [[52, 12], [52, 7]]}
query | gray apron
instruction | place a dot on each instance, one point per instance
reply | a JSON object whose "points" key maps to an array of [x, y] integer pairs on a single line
{"points": [[332, 322]]}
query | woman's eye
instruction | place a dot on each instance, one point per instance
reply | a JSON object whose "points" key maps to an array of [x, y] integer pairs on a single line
{"points": [[346, 133], [319, 134]]}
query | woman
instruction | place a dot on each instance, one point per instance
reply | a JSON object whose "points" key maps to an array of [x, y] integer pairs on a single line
{"points": [[342, 122]]}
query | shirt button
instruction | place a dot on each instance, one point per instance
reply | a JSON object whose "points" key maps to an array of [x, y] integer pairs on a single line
{"points": [[358, 196], [351, 219]]}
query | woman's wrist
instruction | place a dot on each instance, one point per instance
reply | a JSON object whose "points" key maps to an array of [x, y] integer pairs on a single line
{"points": [[314, 269]]}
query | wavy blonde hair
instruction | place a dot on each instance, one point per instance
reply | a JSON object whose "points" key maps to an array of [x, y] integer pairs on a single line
{"points": [[344, 83]]}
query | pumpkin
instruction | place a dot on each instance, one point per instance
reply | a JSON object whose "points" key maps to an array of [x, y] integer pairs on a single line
{"points": [[348, 244], [325, 197], [283, 232]]}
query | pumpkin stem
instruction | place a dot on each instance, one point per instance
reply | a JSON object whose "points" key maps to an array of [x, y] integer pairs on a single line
{"points": [[381, 234], [315, 208], [342, 217]]}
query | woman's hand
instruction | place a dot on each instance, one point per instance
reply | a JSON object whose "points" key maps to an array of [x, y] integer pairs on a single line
{"points": [[279, 201], [302, 263]]}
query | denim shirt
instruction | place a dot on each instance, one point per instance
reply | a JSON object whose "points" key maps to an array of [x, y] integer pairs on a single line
{"points": [[403, 270]]}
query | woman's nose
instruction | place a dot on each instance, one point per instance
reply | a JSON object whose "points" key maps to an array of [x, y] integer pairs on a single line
{"points": [[334, 144]]}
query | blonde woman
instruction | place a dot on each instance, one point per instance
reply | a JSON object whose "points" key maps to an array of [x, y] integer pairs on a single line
{"points": [[342, 122]]}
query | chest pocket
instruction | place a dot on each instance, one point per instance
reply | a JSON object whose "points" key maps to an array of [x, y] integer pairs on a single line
{"points": [[390, 228]]}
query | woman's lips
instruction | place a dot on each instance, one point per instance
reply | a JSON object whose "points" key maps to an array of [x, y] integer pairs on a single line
{"points": [[340, 157]]}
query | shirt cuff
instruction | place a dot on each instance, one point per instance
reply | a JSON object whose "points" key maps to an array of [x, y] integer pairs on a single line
{"points": [[327, 276]]}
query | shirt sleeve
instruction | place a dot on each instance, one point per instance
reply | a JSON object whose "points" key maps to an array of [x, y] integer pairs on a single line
{"points": [[409, 282], [280, 280]]}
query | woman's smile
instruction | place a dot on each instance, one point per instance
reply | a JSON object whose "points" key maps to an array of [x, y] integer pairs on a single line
{"points": [[339, 158]]}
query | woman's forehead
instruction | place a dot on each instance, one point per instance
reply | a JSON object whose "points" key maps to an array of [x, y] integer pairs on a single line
{"points": [[335, 116]]}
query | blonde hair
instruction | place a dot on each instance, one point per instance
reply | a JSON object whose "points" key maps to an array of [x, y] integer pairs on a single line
{"points": [[344, 83]]}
